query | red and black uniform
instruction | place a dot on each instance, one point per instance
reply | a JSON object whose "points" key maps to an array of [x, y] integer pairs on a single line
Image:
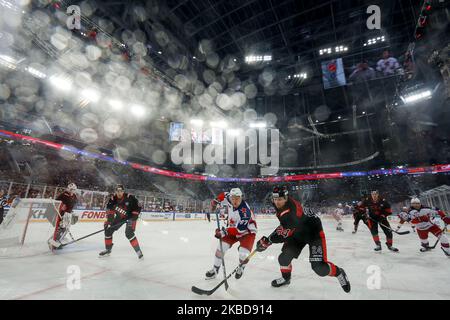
{"points": [[68, 202], [4, 201], [298, 228], [378, 212], [121, 211], [359, 214]]}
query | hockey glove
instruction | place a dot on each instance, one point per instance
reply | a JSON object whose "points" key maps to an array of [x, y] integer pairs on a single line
{"points": [[263, 244], [220, 233]]}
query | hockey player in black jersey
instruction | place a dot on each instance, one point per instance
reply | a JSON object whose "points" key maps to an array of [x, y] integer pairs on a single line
{"points": [[299, 227], [122, 208]]}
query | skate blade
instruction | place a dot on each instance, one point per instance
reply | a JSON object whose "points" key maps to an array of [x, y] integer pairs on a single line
{"points": [[104, 256]]}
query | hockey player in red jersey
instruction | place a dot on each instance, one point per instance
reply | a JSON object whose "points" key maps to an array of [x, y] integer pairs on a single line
{"points": [[422, 217], [379, 209], [122, 208], [359, 213], [241, 227], [299, 227], [63, 220], [5, 200]]}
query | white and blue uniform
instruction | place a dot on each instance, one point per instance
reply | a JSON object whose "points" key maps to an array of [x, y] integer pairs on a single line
{"points": [[240, 220]]}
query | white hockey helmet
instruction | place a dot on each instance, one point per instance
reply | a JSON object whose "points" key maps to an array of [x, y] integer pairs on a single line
{"points": [[236, 192], [72, 187], [415, 201], [340, 205]]}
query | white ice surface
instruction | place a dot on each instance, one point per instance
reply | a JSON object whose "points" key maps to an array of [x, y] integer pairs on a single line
{"points": [[177, 254]]}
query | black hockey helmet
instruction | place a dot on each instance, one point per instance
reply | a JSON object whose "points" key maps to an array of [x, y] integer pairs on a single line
{"points": [[280, 191], [120, 187]]}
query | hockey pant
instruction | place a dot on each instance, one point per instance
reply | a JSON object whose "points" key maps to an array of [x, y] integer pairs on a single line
{"points": [[245, 247], [317, 256], [436, 231], [115, 225], [384, 224]]}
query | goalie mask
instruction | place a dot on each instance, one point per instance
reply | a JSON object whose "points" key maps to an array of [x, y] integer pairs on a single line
{"points": [[72, 187]]}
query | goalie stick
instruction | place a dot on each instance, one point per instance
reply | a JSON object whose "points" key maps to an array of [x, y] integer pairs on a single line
{"points": [[61, 245], [210, 292]]}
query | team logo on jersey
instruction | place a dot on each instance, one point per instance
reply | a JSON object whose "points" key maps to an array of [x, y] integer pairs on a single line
{"points": [[284, 232], [120, 210]]}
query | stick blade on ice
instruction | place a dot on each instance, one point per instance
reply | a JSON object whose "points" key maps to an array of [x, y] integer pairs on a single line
{"points": [[200, 291]]}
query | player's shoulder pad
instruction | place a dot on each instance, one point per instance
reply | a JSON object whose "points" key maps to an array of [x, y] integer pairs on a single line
{"points": [[245, 204], [130, 196]]}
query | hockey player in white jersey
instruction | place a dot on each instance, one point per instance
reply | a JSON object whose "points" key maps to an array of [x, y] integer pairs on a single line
{"points": [[421, 217], [337, 215], [241, 227]]}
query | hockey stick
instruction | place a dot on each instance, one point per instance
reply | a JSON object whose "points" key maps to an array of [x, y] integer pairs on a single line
{"points": [[221, 251], [89, 235], [210, 292], [397, 232], [437, 240]]}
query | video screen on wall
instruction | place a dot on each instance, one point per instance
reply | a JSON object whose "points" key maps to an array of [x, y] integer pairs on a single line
{"points": [[197, 134], [175, 131], [333, 74]]}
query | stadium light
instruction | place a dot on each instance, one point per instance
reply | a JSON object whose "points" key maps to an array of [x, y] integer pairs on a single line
{"points": [[259, 58], [234, 132], [374, 41], [36, 73], [416, 96], [116, 104], [8, 62], [91, 94], [62, 83], [302, 75], [137, 110], [218, 124], [258, 125], [197, 122]]}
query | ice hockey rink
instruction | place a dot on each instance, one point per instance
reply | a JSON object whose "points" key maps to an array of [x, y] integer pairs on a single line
{"points": [[178, 253]]}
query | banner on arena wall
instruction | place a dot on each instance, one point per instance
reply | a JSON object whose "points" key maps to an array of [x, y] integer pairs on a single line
{"points": [[38, 215]]}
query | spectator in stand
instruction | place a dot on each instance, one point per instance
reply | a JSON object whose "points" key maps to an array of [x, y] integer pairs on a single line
{"points": [[387, 65], [362, 73]]}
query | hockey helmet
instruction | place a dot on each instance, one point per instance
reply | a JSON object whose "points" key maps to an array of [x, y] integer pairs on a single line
{"points": [[280, 191], [236, 192]]}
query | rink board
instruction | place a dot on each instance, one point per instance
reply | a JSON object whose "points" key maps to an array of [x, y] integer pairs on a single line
{"points": [[38, 215], [177, 255]]}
